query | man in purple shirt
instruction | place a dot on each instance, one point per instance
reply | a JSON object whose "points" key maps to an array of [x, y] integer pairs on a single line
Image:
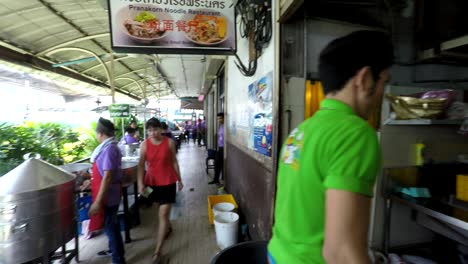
{"points": [[203, 131], [199, 131], [195, 131], [106, 189], [129, 137], [219, 161], [187, 129]]}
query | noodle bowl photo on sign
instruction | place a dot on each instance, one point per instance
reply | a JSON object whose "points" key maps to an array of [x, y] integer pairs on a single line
{"points": [[206, 30], [144, 26]]}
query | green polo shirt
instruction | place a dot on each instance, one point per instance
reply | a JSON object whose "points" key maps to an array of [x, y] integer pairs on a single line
{"points": [[334, 149]]}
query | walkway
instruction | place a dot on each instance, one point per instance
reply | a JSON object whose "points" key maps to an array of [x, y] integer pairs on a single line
{"points": [[193, 239]]}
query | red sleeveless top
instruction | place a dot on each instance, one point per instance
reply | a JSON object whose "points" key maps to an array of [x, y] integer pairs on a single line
{"points": [[160, 164]]}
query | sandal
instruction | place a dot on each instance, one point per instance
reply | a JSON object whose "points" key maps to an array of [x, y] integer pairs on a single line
{"points": [[156, 258]]}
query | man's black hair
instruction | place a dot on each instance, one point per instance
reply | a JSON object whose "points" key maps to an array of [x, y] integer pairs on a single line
{"points": [[220, 114], [344, 57], [130, 130], [153, 123], [164, 125], [105, 127]]}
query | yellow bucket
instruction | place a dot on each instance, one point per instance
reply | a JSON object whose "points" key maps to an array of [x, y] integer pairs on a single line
{"points": [[215, 199]]}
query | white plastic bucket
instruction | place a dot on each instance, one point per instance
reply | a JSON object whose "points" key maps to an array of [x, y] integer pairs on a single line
{"points": [[226, 227], [222, 208]]}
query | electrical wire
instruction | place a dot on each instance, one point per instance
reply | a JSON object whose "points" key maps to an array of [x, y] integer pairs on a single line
{"points": [[255, 24]]}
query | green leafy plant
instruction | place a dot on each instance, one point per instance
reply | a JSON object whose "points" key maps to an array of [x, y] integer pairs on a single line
{"points": [[55, 143], [89, 137]]}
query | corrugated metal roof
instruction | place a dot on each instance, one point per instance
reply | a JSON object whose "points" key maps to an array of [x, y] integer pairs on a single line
{"points": [[38, 28]]}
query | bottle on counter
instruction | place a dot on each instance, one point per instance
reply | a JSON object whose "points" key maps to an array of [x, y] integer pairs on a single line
{"points": [[419, 153]]}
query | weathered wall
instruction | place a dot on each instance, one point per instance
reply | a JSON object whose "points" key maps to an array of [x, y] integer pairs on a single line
{"points": [[250, 176]]}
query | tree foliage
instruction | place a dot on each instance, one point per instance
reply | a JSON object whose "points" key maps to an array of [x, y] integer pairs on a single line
{"points": [[55, 143]]}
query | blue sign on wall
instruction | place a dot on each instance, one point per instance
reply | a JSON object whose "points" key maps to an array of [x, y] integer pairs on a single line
{"points": [[260, 100]]}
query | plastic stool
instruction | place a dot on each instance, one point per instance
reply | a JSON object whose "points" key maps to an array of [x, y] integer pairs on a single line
{"points": [[211, 157]]}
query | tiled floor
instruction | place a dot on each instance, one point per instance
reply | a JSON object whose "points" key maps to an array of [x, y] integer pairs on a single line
{"points": [[193, 239]]}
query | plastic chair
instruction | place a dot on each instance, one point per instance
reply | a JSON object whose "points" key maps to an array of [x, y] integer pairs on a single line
{"points": [[210, 160]]}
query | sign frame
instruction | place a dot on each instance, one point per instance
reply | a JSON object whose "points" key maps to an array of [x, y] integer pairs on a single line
{"points": [[169, 50], [119, 113]]}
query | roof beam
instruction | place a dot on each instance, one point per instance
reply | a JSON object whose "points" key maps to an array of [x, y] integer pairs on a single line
{"points": [[27, 59], [152, 84], [118, 59], [88, 37], [135, 82], [78, 61], [99, 65], [108, 74], [135, 71], [78, 28]]}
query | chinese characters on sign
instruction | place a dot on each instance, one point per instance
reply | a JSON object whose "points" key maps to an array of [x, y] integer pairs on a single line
{"points": [[180, 25]]}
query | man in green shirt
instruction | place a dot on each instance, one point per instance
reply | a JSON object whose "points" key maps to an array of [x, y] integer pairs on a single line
{"points": [[328, 164]]}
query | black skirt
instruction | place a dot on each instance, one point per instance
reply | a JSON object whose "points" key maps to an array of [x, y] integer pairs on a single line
{"points": [[163, 194]]}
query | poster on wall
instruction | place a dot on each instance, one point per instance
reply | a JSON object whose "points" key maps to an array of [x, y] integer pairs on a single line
{"points": [[173, 26], [261, 105]]}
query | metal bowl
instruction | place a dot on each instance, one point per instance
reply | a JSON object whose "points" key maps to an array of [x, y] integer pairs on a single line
{"points": [[76, 167]]}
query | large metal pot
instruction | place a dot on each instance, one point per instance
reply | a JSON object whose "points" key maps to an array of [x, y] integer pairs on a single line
{"points": [[37, 211]]}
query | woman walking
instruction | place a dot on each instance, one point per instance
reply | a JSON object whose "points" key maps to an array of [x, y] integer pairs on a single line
{"points": [[106, 187], [162, 174]]}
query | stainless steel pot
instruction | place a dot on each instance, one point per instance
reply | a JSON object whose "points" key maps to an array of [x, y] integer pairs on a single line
{"points": [[76, 167], [37, 211], [130, 149]]}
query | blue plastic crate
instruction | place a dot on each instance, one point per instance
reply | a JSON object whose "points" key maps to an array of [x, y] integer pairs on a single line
{"points": [[84, 203]]}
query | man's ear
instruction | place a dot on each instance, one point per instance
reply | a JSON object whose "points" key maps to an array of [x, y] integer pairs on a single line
{"points": [[362, 77]]}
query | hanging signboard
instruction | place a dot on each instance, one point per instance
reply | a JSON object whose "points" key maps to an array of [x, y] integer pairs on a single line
{"points": [[119, 110], [173, 26]]}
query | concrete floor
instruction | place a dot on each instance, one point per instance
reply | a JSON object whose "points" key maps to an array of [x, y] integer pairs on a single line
{"points": [[193, 239]]}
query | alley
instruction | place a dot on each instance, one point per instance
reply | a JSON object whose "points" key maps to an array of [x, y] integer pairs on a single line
{"points": [[193, 239]]}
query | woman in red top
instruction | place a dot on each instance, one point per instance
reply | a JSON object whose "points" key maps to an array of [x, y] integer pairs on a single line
{"points": [[162, 174]]}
